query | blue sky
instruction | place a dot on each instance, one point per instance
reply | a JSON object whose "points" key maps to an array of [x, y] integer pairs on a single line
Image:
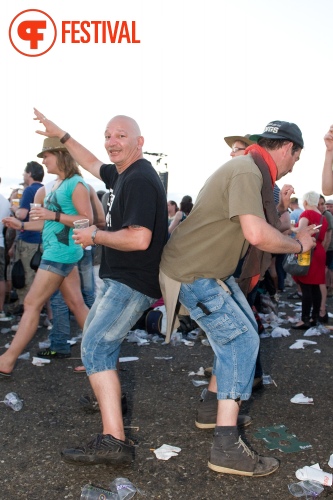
{"points": [[203, 70]]}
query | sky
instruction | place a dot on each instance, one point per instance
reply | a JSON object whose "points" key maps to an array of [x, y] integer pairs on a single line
{"points": [[202, 71]]}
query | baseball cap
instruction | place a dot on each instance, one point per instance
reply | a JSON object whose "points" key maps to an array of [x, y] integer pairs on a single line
{"points": [[329, 202], [281, 130]]}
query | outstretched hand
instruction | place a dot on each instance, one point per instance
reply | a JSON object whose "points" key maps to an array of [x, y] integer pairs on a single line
{"points": [[51, 129], [328, 138]]}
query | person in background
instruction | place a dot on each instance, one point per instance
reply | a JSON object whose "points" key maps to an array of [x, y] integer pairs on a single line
{"points": [[61, 330], [296, 210], [327, 174], [329, 256], [67, 202], [185, 208], [310, 283], [328, 247], [27, 242], [4, 212], [172, 210]]}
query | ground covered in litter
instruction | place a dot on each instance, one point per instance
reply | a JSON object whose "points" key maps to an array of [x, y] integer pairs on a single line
{"points": [[162, 401]]}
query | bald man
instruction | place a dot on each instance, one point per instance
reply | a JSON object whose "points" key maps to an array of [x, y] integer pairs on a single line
{"points": [[136, 231]]}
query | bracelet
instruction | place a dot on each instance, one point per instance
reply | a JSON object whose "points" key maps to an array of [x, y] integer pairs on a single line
{"points": [[57, 216], [300, 244], [93, 236], [65, 138], [22, 227]]}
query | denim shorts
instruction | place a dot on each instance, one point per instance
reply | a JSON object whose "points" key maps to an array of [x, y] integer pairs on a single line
{"points": [[231, 328], [57, 267], [116, 309]]}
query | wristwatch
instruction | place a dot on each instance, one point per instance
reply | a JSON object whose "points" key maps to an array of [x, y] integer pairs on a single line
{"points": [[93, 235]]}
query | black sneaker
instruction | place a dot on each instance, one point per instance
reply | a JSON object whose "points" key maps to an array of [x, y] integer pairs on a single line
{"points": [[230, 455], [47, 353], [17, 310], [103, 449], [90, 404], [207, 413]]}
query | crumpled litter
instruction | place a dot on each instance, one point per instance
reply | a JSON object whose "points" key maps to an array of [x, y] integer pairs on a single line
{"points": [[193, 334], [166, 451], [200, 372], [197, 383], [44, 345], [26, 355], [189, 343], [330, 462], [301, 344], [205, 342], [301, 399], [313, 331], [317, 351], [40, 361], [138, 337], [280, 332], [314, 473], [5, 330], [128, 358]]}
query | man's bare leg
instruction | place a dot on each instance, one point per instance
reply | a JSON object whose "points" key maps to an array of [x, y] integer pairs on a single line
{"points": [[107, 389]]}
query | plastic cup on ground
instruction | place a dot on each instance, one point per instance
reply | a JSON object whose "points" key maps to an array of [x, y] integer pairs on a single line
{"points": [[91, 492], [13, 401], [81, 224], [34, 205]]}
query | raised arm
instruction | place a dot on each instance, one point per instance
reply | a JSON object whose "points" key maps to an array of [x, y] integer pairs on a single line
{"points": [[327, 175], [82, 155]]}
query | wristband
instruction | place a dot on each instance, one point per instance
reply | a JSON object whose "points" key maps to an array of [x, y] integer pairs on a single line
{"points": [[57, 216], [65, 138], [22, 227], [300, 244]]}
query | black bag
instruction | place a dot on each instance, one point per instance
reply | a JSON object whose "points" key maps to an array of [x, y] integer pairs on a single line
{"points": [[36, 258], [291, 265], [18, 275], [154, 321]]}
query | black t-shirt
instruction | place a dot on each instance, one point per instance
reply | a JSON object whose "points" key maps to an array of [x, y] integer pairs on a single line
{"points": [[136, 198]]}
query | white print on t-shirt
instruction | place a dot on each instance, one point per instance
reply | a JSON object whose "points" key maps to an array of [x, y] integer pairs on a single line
{"points": [[109, 204]]}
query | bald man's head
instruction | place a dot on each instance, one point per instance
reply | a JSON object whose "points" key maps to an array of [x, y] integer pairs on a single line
{"points": [[123, 141]]}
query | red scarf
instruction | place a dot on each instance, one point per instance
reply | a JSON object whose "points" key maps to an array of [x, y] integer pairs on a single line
{"points": [[266, 157]]}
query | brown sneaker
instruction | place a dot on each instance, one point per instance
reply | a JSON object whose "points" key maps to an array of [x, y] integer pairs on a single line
{"points": [[230, 455]]}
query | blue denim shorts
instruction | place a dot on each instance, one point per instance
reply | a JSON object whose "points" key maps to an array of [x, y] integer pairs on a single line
{"points": [[116, 309], [230, 325], [57, 267]]}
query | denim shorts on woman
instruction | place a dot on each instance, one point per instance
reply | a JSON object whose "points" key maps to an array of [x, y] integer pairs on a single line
{"points": [[231, 328], [116, 309], [56, 267]]}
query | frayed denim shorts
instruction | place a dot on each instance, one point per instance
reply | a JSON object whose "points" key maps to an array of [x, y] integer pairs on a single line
{"points": [[116, 309], [57, 267]]}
